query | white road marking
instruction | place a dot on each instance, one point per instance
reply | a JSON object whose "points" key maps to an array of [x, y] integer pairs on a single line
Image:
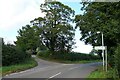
{"points": [[34, 70], [55, 75], [33, 56], [12, 74], [6, 75], [67, 64], [73, 68], [27, 71], [22, 71]]}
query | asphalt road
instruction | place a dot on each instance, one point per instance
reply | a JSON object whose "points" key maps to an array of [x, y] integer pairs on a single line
{"points": [[49, 70]]}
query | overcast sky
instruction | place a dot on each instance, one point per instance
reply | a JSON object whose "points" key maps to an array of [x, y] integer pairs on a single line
{"points": [[17, 13]]}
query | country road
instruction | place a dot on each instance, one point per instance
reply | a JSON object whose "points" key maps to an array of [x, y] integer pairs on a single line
{"points": [[49, 70]]}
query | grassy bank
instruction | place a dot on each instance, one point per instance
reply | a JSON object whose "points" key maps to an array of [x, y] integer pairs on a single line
{"points": [[29, 63], [99, 74]]}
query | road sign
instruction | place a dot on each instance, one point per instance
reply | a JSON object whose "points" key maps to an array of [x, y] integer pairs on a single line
{"points": [[99, 48]]}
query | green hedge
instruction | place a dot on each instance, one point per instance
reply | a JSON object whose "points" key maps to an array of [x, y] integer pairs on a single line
{"points": [[12, 55], [117, 60], [72, 56], [24, 65]]}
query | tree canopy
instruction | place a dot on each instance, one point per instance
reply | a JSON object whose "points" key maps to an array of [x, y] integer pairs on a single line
{"points": [[103, 17], [56, 32], [53, 31], [28, 38]]}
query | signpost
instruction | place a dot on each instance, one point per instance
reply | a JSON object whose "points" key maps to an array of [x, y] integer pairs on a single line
{"points": [[99, 47], [103, 48], [106, 57]]}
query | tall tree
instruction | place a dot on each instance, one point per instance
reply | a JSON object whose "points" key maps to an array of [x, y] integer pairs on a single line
{"points": [[56, 32], [103, 17], [28, 38]]}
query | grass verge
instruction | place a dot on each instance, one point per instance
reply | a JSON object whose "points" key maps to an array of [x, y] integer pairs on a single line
{"points": [[69, 62], [99, 74], [29, 63]]}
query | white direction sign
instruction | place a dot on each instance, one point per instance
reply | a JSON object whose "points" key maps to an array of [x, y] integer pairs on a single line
{"points": [[99, 48]]}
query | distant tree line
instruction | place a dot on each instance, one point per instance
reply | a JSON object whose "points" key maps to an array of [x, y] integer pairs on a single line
{"points": [[69, 56]]}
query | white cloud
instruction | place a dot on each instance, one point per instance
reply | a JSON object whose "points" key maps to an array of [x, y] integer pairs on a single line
{"points": [[81, 47], [17, 13]]}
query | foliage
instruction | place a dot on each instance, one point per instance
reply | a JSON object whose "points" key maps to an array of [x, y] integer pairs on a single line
{"points": [[117, 60], [103, 17], [1, 43], [26, 64], [99, 74], [56, 32], [68, 56], [12, 55], [28, 38]]}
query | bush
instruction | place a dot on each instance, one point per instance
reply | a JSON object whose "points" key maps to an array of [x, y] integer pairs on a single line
{"points": [[117, 60], [72, 56], [27, 64], [12, 55]]}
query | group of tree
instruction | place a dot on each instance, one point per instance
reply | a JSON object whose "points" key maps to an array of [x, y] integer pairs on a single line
{"points": [[52, 32], [103, 17], [12, 55]]}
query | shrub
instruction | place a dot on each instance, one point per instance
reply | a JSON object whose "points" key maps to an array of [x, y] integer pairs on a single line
{"points": [[117, 60], [71, 56], [12, 55], [45, 54]]}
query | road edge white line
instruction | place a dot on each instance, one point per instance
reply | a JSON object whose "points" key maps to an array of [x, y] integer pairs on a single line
{"points": [[55, 75], [73, 68], [17, 73]]}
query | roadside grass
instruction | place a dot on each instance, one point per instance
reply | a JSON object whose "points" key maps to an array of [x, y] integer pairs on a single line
{"points": [[69, 62], [27, 64], [99, 74], [0, 72]]}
